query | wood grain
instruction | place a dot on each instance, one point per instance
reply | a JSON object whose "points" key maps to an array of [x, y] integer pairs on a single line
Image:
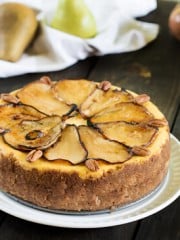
{"points": [[163, 225], [176, 126], [77, 71], [153, 70], [16, 229], [2, 216]]}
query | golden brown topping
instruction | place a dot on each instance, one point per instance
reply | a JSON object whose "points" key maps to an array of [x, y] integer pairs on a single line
{"points": [[34, 134], [98, 147], [34, 155], [92, 165], [9, 98], [68, 147], [93, 122], [72, 91], [11, 115], [140, 151], [128, 133], [140, 99], [100, 100], [157, 122], [45, 80], [41, 97], [105, 85], [124, 111]]}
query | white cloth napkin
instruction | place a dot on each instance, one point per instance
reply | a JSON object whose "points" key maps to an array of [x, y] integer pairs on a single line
{"points": [[118, 32]]}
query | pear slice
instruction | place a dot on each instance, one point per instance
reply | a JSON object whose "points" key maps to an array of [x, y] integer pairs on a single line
{"points": [[72, 91], [76, 120], [41, 96], [34, 134], [100, 100], [127, 133], [11, 114], [100, 148], [69, 147], [18, 25], [125, 111]]}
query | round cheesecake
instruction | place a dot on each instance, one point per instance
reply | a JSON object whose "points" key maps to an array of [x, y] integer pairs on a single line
{"points": [[80, 145]]}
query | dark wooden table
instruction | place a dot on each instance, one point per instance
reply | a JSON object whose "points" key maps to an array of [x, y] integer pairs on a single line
{"points": [[154, 70]]}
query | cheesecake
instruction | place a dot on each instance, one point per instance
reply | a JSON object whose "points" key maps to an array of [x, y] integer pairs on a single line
{"points": [[79, 145]]}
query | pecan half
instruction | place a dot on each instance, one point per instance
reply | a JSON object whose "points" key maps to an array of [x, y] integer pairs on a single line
{"points": [[45, 80], [34, 155], [157, 123], [10, 98], [140, 151], [142, 98], [105, 85], [92, 165], [2, 130]]}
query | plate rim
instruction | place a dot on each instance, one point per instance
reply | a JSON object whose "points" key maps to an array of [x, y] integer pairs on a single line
{"points": [[113, 218]]}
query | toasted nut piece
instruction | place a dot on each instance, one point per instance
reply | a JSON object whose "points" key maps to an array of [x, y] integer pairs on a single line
{"points": [[157, 122], [105, 85], [140, 99], [140, 151], [9, 98], [45, 80], [92, 165], [34, 155], [2, 130]]}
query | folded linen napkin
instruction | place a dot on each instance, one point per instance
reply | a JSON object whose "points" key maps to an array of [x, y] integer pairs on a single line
{"points": [[53, 50]]}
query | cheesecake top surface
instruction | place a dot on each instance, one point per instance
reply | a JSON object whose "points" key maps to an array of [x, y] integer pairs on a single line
{"points": [[79, 126]]}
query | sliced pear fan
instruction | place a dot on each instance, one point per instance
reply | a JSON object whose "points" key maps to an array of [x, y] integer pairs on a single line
{"points": [[11, 115], [100, 148], [69, 147], [72, 91], [40, 96], [34, 134], [127, 133], [128, 112], [100, 100]]}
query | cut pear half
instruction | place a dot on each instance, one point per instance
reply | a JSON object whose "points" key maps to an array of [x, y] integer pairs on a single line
{"points": [[72, 91], [128, 134], [103, 149], [41, 96], [34, 134], [125, 111], [69, 147], [11, 114], [99, 100]]}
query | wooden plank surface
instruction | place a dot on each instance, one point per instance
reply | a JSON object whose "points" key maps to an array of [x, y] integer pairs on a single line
{"points": [[79, 70], [16, 229], [154, 70], [2, 216], [176, 126], [165, 224]]}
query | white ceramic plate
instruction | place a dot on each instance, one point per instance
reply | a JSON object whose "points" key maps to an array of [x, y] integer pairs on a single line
{"points": [[159, 199]]}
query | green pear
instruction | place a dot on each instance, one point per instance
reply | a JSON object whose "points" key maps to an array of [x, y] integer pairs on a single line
{"points": [[74, 17]]}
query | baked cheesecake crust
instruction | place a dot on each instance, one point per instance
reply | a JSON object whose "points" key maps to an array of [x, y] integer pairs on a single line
{"points": [[60, 190]]}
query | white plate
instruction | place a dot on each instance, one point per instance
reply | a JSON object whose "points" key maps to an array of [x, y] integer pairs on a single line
{"points": [[159, 199]]}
